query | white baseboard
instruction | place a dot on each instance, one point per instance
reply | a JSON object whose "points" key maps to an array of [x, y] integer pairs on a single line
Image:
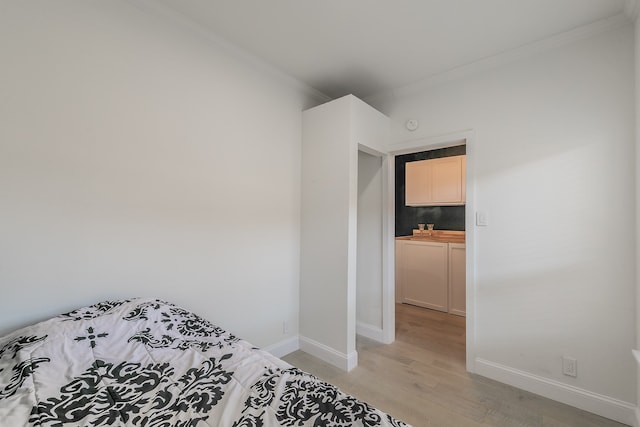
{"points": [[370, 331], [599, 404], [636, 356], [284, 347], [340, 360]]}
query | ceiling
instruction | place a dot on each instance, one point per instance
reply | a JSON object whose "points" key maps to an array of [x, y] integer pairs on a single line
{"points": [[368, 46]]}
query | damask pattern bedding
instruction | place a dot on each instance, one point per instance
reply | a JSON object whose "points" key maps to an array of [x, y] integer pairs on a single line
{"points": [[148, 363]]}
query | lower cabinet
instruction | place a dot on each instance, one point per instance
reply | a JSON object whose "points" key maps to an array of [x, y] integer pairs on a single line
{"points": [[457, 279], [431, 275], [424, 274]]}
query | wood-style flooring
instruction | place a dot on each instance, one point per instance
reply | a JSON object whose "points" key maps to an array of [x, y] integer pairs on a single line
{"points": [[421, 379]]}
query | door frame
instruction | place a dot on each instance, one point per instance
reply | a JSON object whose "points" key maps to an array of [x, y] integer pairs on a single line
{"points": [[467, 137]]}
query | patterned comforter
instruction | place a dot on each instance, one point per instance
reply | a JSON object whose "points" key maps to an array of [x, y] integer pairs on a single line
{"points": [[145, 362]]}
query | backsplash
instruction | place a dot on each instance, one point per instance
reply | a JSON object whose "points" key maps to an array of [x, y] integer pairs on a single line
{"points": [[408, 217]]}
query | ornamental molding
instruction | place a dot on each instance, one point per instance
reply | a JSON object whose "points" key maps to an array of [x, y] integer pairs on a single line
{"points": [[632, 8]]}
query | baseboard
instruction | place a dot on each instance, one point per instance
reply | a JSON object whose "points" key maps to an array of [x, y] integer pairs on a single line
{"points": [[370, 331], [636, 356], [604, 406], [284, 347], [340, 360]]}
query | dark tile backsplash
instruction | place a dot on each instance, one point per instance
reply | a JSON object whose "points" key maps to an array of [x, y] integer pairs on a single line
{"points": [[408, 217]]}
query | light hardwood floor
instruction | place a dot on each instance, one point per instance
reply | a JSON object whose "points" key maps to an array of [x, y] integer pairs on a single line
{"points": [[421, 379]]}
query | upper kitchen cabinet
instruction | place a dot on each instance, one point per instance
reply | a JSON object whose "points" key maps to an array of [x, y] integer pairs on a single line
{"points": [[436, 182]]}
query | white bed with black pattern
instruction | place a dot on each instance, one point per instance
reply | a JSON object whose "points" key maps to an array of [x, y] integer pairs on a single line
{"points": [[148, 363]]}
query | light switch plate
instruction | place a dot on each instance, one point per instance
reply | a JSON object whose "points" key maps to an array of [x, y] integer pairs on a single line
{"points": [[482, 219]]}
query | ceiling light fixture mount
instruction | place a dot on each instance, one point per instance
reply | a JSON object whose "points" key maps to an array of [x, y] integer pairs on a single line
{"points": [[412, 124]]}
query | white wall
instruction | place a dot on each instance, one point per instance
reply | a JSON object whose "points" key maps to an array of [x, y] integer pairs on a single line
{"points": [[637, 117], [370, 129], [369, 252], [325, 251], [138, 158], [332, 133], [554, 170]]}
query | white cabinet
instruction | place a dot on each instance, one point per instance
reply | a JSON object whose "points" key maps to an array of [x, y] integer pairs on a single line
{"points": [[424, 274], [431, 275], [457, 279], [436, 182]]}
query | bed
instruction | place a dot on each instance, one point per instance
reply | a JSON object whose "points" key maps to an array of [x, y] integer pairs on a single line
{"points": [[149, 363]]}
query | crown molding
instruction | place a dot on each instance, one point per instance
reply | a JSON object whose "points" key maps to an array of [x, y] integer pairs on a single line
{"points": [[631, 9], [509, 56], [163, 11]]}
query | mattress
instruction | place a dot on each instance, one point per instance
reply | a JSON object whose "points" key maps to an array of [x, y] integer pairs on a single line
{"points": [[149, 363]]}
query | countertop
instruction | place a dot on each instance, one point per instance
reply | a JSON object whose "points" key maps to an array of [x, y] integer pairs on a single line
{"points": [[440, 236]]}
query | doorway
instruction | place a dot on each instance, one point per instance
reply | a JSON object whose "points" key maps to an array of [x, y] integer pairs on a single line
{"points": [[465, 139], [369, 265], [430, 285]]}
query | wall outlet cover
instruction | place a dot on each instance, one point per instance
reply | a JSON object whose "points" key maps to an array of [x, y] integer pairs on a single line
{"points": [[569, 366]]}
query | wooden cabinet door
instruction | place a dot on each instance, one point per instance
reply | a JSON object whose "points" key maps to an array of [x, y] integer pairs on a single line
{"points": [[424, 274], [446, 180], [417, 183], [436, 182], [463, 161], [457, 279]]}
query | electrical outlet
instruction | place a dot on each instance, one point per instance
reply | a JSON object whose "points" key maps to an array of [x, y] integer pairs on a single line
{"points": [[569, 366], [285, 327]]}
